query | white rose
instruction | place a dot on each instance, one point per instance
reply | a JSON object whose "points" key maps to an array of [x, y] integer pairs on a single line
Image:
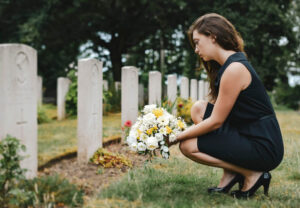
{"points": [[159, 137], [162, 142], [133, 146], [133, 133], [165, 149], [149, 108], [172, 137], [143, 137], [141, 146], [131, 140], [152, 143], [165, 155], [163, 131]]}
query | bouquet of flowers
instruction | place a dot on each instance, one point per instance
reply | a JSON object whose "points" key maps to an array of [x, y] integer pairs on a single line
{"points": [[152, 130]]}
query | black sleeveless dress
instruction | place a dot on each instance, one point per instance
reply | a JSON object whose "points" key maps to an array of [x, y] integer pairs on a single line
{"points": [[250, 137]]}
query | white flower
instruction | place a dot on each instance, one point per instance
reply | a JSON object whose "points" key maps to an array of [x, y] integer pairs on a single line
{"points": [[172, 137], [148, 108], [143, 137], [163, 120], [165, 149], [133, 147], [149, 119], [133, 133], [165, 155], [159, 137], [141, 146], [162, 142], [163, 131], [131, 140], [152, 143]]}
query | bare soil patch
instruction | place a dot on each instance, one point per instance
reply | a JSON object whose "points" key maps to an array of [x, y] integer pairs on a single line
{"points": [[88, 176]]}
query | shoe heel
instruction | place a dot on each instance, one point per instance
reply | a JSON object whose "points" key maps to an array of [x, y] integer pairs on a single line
{"points": [[266, 186]]}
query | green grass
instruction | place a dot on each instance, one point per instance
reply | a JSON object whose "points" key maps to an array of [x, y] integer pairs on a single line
{"points": [[60, 137], [180, 182]]}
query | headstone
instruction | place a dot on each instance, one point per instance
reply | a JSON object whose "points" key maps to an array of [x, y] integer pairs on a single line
{"points": [[63, 85], [141, 95], [206, 90], [129, 94], [89, 108], [184, 88], [193, 94], [201, 90], [40, 90], [117, 85], [172, 91], [154, 87], [105, 85], [18, 100]]}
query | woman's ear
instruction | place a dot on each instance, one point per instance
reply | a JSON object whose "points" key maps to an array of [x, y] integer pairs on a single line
{"points": [[213, 38]]}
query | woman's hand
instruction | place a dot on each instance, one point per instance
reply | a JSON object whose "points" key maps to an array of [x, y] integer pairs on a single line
{"points": [[172, 143]]}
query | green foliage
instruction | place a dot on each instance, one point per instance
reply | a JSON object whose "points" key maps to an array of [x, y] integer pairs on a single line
{"points": [[16, 191], [42, 116], [154, 28], [10, 171], [71, 97], [50, 191], [112, 100], [287, 96]]}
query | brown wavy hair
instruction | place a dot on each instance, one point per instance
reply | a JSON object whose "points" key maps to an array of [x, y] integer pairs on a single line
{"points": [[225, 35]]}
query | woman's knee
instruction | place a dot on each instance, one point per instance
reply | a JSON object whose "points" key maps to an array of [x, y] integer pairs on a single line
{"points": [[198, 110]]}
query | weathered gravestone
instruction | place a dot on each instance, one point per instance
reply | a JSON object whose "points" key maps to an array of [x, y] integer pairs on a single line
{"points": [[18, 100], [89, 108]]}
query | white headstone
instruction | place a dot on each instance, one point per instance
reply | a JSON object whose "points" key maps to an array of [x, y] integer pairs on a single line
{"points": [[206, 84], [172, 87], [201, 90], [141, 95], [117, 85], [129, 94], [40, 90], [172, 91], [105, 85], [154, 87], [18, 100], [63, 85], [184, 88], [193, 94], [89, 108]]}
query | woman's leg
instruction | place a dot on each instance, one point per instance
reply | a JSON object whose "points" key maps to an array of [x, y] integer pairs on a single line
{"points": [[190, 149], [197, 114]]}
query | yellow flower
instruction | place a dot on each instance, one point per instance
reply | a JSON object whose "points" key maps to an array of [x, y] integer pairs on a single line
{"points": [[180, 124], [139, 132], [158, 112], [149, 131], [169, 130], [155, 127]]}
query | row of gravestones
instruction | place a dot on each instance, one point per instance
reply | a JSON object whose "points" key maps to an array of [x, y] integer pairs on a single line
{"points": [[18, 100], [198, 90]]}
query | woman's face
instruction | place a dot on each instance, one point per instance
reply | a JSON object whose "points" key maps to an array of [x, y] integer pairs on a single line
{"points": [[204, 45]]}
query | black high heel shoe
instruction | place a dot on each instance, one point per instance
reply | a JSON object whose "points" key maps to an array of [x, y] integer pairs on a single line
{"points": [[264, 180], [237, 179]]}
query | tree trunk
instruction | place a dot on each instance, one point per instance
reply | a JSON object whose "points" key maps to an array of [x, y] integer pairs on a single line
{"points": [[116, 61]]}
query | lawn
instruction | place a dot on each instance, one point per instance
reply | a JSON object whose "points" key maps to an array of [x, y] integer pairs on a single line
{"points": [[59, 137], [179, 182]]}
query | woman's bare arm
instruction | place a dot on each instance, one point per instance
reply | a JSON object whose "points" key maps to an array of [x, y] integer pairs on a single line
{"points": [[235, 78]]}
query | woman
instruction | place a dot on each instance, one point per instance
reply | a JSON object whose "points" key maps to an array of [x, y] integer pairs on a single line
{"points": [[238, 130]]}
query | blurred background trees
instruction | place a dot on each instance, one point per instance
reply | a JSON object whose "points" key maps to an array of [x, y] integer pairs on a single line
{"points": [[149, 34]]}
